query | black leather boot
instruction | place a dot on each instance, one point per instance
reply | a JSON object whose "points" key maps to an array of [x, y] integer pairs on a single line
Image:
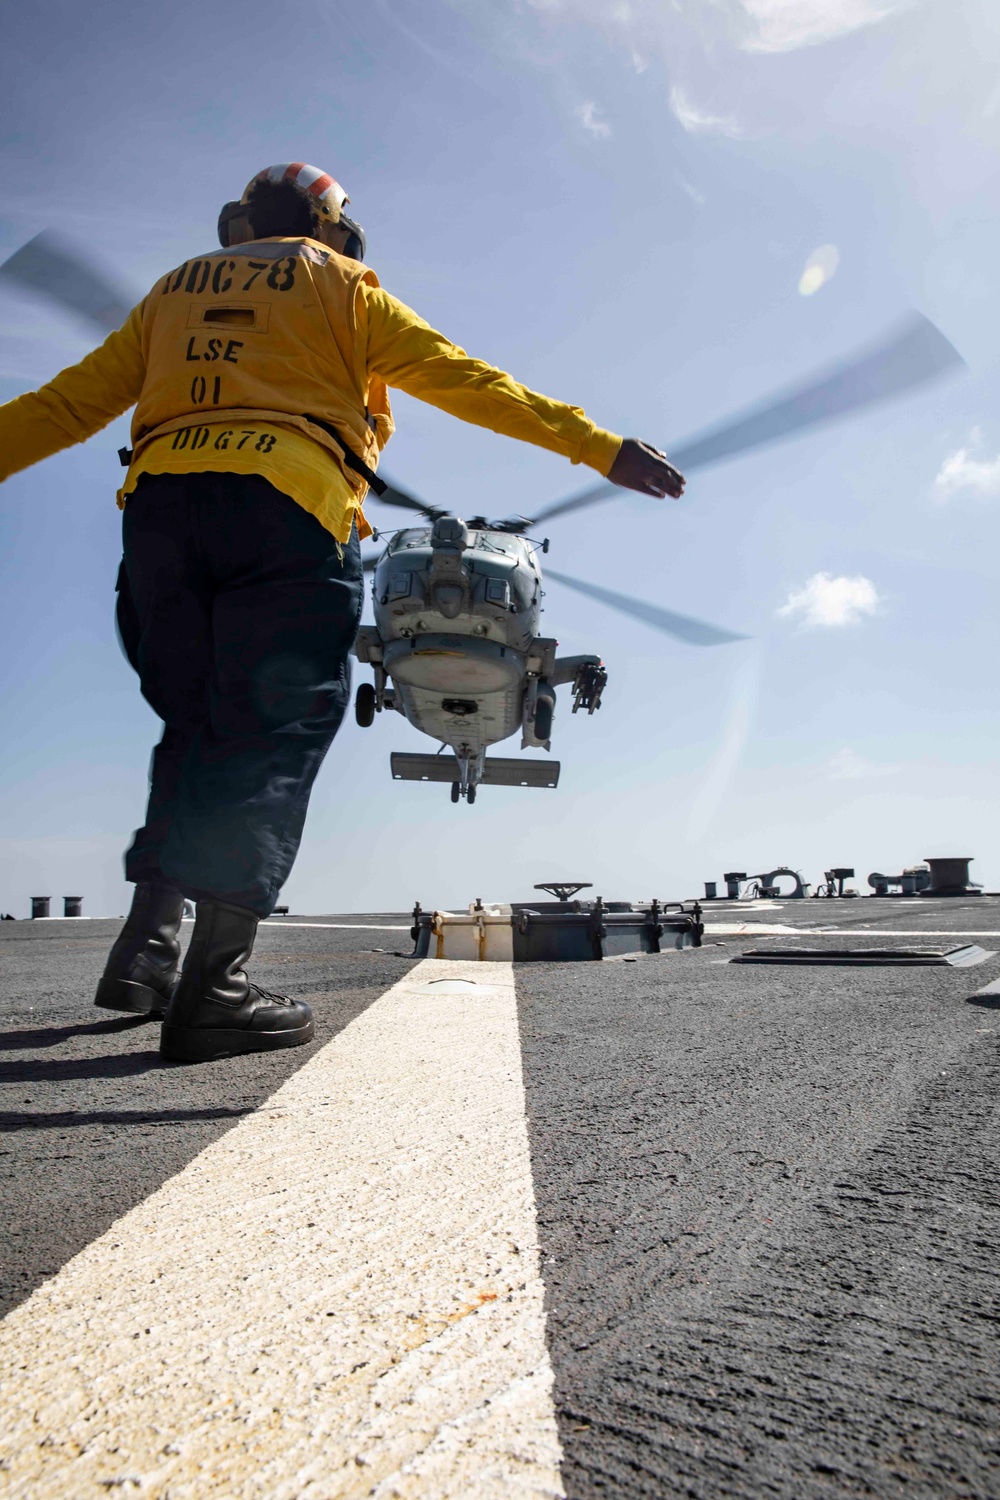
{"points": [[216, 1011], [143, 966]]}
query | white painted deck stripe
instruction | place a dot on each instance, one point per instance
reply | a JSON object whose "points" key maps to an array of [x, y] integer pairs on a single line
{"points": [[342, 926], [747, 929], [346, 926], [339, 1298]]}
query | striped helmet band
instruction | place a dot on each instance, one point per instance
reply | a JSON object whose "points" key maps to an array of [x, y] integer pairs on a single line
{"points": [[325, 190]]}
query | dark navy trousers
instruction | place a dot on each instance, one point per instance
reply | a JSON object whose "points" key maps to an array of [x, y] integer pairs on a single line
{"points": [[238, 610]]}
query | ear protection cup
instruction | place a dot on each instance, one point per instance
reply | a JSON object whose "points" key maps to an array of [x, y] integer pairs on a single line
{"points": [[228, 212], [355, 247]]}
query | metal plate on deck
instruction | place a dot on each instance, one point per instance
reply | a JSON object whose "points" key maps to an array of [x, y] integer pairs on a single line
{"points": [[920, 958]]}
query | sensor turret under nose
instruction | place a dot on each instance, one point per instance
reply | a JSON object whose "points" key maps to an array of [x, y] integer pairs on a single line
{"points": [[449, 533]]}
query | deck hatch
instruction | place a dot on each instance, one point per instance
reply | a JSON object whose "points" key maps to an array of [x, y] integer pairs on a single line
{"points": [[920, 958]]}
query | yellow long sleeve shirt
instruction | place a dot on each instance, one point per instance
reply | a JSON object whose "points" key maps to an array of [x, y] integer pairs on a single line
{"points": [[395, 345]]}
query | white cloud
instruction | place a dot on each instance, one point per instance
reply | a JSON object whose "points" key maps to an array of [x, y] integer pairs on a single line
{"points": [[706, 48], [754, 25], [818, 269], [699, 121], [786, 25], [690, 189], [963, 472], [589, 117], [848, 765], [830, 603]]}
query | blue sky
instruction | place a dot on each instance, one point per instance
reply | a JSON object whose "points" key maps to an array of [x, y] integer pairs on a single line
{"points": [[618, 202]]}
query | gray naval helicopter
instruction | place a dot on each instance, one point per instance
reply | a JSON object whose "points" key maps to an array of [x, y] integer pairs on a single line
{"points": [[456, 646]]}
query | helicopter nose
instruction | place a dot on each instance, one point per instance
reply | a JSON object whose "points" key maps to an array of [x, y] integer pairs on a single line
{"points": [[448, 599]]}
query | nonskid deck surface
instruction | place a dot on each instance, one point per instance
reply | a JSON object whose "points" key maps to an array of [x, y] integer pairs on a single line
{"points": [[636, 1229]]}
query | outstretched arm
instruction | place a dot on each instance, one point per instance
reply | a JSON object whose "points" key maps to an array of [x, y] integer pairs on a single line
{"points": [[80, 400], [411, 356]]}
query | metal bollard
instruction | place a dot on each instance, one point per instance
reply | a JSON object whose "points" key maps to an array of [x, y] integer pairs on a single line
{"points": [[39, 906], [950, 877], [72, 906]]}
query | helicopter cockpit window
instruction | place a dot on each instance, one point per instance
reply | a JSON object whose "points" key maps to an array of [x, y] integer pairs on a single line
{"points": [[407, 539], [506, 546]]}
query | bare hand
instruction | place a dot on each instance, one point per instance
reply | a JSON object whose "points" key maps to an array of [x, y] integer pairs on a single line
{"points": [[640, 467]]}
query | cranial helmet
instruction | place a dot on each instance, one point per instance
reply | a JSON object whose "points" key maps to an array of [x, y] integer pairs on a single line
{"points": [[321, 191]]}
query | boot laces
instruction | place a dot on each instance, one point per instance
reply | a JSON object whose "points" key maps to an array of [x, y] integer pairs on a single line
{"points": [[269, 996]]}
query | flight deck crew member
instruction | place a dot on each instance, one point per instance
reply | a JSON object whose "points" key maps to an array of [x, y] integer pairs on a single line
{"points": [[258, 375]]}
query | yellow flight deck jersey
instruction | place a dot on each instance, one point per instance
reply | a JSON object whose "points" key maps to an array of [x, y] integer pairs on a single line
{"points": [[234, 358]]}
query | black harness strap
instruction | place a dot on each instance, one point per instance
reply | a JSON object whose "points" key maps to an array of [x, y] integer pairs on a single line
{"points": [[351, 459]]}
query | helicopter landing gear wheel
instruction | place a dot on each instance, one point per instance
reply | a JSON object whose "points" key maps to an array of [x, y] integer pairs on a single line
{"points": [[364, 705], [455, 793], [470, 795]]}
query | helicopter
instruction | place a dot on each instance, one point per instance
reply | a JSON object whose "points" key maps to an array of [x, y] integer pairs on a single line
{"points": [[456, 647]]}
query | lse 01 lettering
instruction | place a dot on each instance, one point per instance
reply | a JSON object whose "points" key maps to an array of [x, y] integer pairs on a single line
{"points": [[214, 349]]}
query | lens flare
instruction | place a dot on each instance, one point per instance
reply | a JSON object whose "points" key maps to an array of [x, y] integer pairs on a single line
{"points": [[818, 269]]}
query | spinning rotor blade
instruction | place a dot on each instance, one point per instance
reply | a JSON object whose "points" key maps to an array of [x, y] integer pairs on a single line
{"points": [[681, 627], [52, 268], [913, 353], [393, 495]]}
